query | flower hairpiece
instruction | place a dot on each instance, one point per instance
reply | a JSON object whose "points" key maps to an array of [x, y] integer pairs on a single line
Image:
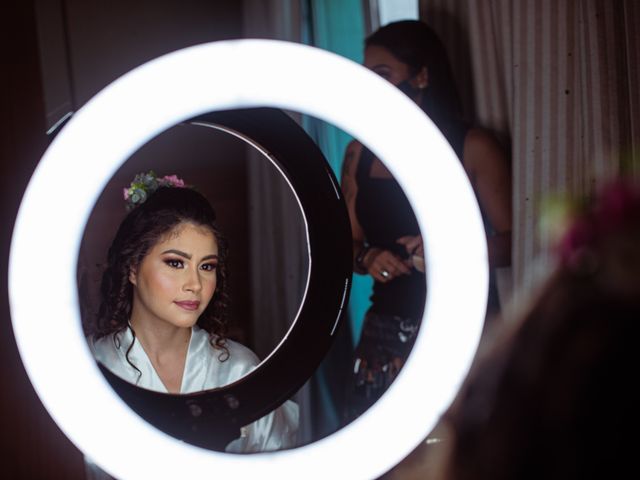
{"points": [[583, 225], [144, 184]]}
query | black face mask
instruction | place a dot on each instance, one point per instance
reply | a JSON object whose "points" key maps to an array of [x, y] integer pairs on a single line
{"points": [[408, 89]]}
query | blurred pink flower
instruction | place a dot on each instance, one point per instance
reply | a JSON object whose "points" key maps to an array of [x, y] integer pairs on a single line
{"points": [[617, 206], [173, 180]]}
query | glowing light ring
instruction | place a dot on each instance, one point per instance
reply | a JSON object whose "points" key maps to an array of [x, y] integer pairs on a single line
{"points": [[217, 76]]}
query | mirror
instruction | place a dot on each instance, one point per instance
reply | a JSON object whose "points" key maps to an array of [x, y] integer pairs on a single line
{"points": [[233, 185], [223, 167], [298, 214]]}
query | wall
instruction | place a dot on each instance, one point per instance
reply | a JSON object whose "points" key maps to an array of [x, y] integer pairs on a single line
{"points": [[103, 41]]}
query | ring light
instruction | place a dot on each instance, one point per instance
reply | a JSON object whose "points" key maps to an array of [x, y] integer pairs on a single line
{"points": [[222, 76]]}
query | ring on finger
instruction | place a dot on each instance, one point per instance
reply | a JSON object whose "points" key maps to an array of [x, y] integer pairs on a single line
{"points": [[385, 273]]}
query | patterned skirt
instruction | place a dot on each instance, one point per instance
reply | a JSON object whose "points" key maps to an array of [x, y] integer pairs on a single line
{"points": [[383, 348]]}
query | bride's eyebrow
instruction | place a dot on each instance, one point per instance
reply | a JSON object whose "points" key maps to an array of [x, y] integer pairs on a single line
{"points": [[188, 256], [178, 252]]}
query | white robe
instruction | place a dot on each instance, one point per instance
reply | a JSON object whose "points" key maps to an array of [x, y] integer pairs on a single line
{"points": [[203, 371]]}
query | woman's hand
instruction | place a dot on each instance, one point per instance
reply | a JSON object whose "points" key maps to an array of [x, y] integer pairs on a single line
{"points": [[415, 250], [384, 266], [413, 244]]}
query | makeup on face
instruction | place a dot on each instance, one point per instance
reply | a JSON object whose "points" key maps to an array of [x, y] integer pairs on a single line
{"points": [[177, 278]]}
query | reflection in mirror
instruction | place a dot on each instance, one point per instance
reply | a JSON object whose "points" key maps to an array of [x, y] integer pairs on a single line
{"points": [[388, 248], [222, 168], [387, 241], [162, 272], [387, 298]]}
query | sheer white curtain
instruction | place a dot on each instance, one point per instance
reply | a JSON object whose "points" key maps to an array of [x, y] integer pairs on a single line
{"points": [[274, 19], [561, 80]]}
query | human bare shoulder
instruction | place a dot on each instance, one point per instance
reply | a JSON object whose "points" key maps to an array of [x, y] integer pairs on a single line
{"points": [[482, 150], [489, 170]]}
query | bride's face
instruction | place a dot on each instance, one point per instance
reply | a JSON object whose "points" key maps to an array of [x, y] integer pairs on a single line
{"points": [[175, 281]]}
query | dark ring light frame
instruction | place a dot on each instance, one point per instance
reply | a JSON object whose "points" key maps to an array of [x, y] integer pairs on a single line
{"points": [[212, 418]]}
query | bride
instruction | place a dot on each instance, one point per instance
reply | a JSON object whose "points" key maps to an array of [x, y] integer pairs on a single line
{"points": [[161, 323]]}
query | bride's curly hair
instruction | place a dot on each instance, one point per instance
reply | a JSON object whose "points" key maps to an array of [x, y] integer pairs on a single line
{"points": [[142, 228]]}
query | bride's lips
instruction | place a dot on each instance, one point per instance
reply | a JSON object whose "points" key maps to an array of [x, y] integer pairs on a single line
{"points": [[188, 305]]}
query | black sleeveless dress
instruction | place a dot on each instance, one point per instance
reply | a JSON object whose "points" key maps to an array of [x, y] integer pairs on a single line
{"points": [[385, 214], [392, 323]]}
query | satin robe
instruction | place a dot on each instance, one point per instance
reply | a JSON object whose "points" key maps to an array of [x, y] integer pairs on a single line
{"points": [[203, 371]]}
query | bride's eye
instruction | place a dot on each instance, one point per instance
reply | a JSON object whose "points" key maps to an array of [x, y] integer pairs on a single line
{"points": [[209, 267], [174, 263]]}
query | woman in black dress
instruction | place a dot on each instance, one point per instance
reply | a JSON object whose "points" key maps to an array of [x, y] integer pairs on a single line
{"points": [[387, 242]]}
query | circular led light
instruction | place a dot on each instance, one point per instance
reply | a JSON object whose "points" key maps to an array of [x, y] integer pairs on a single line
{"points": [[220, 76]]}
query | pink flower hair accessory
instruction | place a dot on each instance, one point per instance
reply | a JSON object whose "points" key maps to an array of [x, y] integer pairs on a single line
{"points": [[144, 184], [615, 209]]}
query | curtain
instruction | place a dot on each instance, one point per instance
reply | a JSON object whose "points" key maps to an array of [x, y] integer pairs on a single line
{"points": [[559, 79]]}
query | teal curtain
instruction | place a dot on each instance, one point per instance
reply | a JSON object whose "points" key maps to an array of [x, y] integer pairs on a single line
{"points": [[338, 26]]}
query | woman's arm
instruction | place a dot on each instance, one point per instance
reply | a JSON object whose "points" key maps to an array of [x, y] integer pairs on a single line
{"points": [[350, 191], [490, 174]]}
